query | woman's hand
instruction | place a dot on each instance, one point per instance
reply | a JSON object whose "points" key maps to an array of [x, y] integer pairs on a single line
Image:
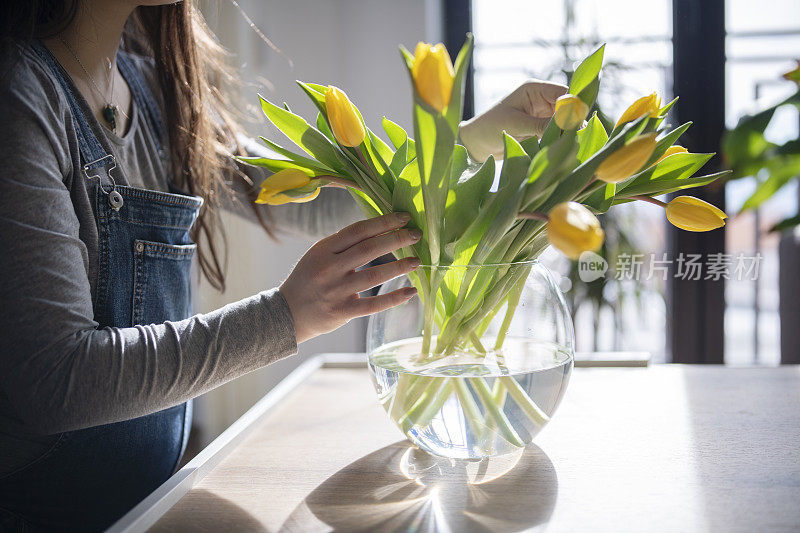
{"points": [[322, 290], [522, 114]]}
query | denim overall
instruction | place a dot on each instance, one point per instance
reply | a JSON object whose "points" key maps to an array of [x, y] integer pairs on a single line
{"points": [[91, 477]]}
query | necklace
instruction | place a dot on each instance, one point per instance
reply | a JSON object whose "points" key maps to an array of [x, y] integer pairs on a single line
{"points": [[110, 110]]}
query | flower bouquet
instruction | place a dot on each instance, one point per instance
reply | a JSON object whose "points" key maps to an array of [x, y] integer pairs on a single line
{"points": [[464, 373]]}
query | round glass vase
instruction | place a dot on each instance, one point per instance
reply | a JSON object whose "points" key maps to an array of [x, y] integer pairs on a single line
{"points": [[477, 363]]}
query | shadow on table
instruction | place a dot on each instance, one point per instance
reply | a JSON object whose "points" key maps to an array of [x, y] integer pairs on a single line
{"points": [[399, 488], [206, 511]]}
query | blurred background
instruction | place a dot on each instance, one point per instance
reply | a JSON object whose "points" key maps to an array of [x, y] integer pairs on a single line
{"points": [[725, 59]]}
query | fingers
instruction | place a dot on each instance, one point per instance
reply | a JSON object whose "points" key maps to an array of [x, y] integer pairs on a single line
{"points": [[376, 304], [522, 125], [551, 91], [365, 229], [538, 98], [374, 247], [374, 276]]}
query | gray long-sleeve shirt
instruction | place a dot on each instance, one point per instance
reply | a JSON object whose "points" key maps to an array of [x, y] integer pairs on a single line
{"points": [[59, 370]]}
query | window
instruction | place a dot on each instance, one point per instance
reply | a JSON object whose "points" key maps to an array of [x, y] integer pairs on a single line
{"points": [[518, 39]]}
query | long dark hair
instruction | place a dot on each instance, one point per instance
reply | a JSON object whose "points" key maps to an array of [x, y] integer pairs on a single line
{"points": [[193, 73]]}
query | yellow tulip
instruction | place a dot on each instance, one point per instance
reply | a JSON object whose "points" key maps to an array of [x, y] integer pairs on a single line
{"points": [[674, 149], [345, 122], [273, 188], [573, 229], [433, 74], [693, 214], [646, 105], [627, 160], [570, 112]]}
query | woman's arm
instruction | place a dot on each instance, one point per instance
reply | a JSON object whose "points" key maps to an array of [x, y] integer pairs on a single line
{"points": [[61, 371]]}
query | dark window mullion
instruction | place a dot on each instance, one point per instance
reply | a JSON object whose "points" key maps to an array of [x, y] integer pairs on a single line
{"points": [[697, 307], [457, 22]]}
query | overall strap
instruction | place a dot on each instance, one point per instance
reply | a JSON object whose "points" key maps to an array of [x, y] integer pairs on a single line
{"points": [[143, 98], [92, 152]]}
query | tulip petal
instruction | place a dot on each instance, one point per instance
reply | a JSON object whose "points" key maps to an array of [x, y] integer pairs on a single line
{"points": [[672, 150], [283, 180], [573, 229], [343, 118], [693, 214], [627, 160], [646, 105], [570, 112], [433, 75], [273, 188]]}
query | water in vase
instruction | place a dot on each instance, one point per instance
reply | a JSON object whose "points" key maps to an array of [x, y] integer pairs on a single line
{"points": [[469, 405]]}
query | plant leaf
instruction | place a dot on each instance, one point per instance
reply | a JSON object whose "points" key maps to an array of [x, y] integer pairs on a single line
{"points": [[781, 172], [455, 108], [663, 175], [547, 167], [322, 126], [398, 137], [531, 146], [407, 197], [591, 138], [276, 165], [297, 158], [499, 211], [602, 199], [587, 71], [469, 187], [786, 223], [435, 145], [317, 95], [666, 141], [303, 135]]}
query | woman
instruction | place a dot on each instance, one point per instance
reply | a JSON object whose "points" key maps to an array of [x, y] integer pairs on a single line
{"points": [[117, 154]]}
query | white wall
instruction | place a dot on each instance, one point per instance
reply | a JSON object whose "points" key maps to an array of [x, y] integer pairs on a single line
{"points": [[348, 43]]}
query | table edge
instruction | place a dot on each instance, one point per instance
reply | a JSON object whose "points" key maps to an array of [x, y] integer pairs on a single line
{"points": [[154, 506]]}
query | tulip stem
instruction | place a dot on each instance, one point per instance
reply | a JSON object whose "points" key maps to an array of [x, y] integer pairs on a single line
{"points": [[649, 199], [532, 215], [341, 182], [363, 159]]}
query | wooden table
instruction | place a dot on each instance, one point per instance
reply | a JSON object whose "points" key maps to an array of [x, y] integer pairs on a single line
{"points": [[664, 448]]}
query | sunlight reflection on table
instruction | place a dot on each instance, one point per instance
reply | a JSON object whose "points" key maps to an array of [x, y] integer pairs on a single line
{"points": [[400, 488]]}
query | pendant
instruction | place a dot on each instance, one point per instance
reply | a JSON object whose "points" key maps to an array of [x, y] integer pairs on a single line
{"points": [[110, 116]]}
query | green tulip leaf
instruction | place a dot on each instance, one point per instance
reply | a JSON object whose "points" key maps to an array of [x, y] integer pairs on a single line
{"points": [[407, 197], [587, 72], [665, 142], [551, 164], [455, 108], [276, 165], [322, 126], [591, 138], [589, 93], [297, 158], [551, 133], [398, 136], [317, 95], [672, 169], [303, 135], [530, 145], [469, 187], [602, 199]]}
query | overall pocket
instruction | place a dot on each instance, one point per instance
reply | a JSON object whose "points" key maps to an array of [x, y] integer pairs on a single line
{"points": [[161, 271]]}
